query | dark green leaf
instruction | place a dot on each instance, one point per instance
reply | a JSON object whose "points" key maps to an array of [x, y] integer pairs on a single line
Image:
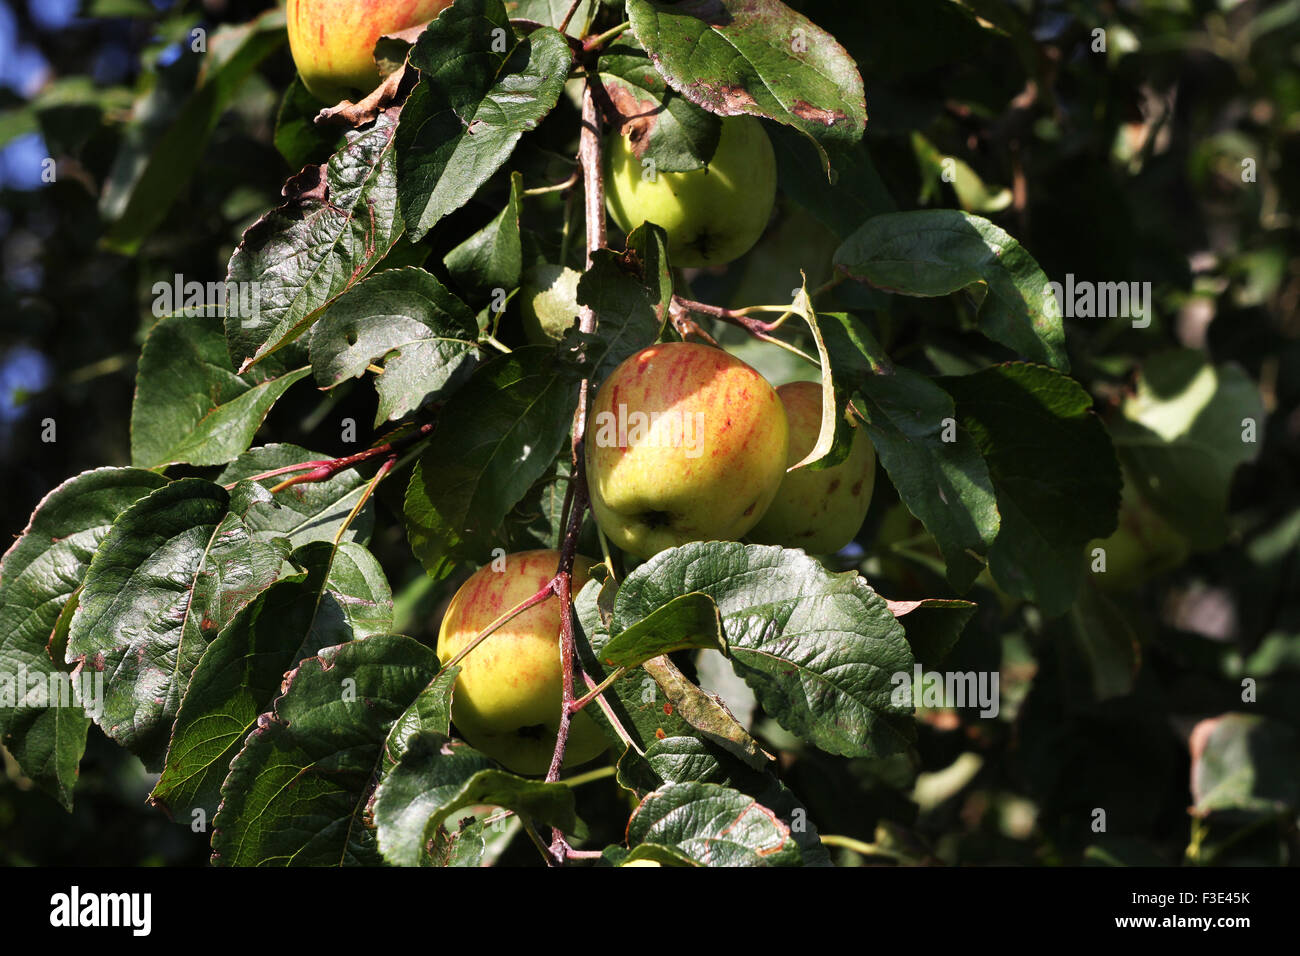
{"points": [[493, 257], [340, 596], [689, 760], [664, 127], [298, 137], [946, 484], [1183, 435], [1244, 762], [630, 294], [189, 405], [817, 648], [472, 104], [1054, 470], [406, 321], [297, 793], [338, 222], [437, 776], [941, 251], [688, 621], [495, 437], [933, 626], [713, 825], [755, 57], [857, 193], [38, 577], [174, 569]]}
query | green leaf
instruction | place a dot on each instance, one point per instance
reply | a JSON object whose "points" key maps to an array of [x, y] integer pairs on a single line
{"points": [[492, 258], [174, 569], [337, 223], [933, 626], [973, 194], [536, 521], [153, 167], [297, 794], [657, 700], [713, 825], [298, 138], [1107, 642], [341, 595], [689, 760], [407, 320], [471, 106], [1182, 436], [946, 484], [1244, 762], [495, 437], [630, 293], [551, 13], [755, 57], [311, 511], [641, 706], [688, 621], [941, 251], [857, 193], [663, 126], [437, 776], [39, 575], [1052, 463], [817, 648], [189, 405], [430, 713]]}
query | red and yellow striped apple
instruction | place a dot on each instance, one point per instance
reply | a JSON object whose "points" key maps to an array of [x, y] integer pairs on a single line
{"points": [[333, 41], [508, 694], [819, 511], [684, 443]]}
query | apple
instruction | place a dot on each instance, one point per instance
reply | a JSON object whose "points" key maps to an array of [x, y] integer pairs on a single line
{"points": [[712, 215], [548, 302], [333, 41], [641, 863], [508, 694], [1143, 546], [684, 443], [819, 511]]}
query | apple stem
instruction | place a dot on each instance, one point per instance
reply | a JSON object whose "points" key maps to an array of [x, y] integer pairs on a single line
{"points": [[755, 327], [596, 691], [556, 187], [371, 485], [573, 8], [547, 590], [597, 42]]}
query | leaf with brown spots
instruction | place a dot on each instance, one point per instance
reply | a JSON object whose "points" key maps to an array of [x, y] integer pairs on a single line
{"points": [[758, 58], [664, 126]]}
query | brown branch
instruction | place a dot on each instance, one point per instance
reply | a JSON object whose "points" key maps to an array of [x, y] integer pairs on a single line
{"points": [[589, 148]]}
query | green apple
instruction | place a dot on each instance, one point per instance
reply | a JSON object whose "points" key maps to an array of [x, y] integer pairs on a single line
{"points": [[684, 443], [1143, 546], [548, 302], [508, 694], [711, 215], [333, 41], [641, 863], [819, 511]]}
